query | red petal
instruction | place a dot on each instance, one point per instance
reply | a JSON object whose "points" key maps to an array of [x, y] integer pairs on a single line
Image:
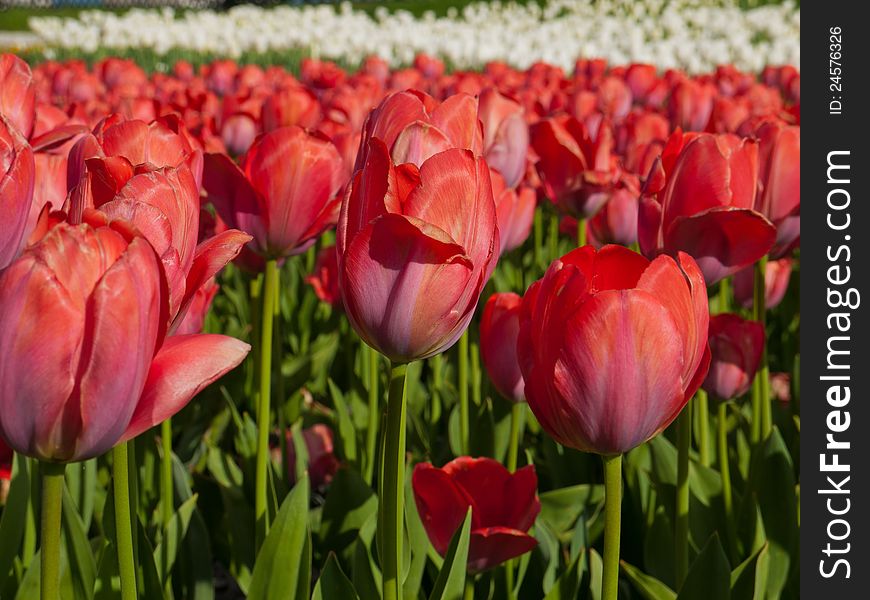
{"points": [[442, 505], [493, 546]]}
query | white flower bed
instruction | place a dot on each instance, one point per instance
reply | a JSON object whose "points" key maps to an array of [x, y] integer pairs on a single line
{"points": [[684, 34]]}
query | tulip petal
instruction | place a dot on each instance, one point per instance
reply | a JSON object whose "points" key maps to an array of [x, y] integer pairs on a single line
{"points": [[232, 195], [442, 504], [456, 116], [418, 142], [183, 366], [492, 546]]}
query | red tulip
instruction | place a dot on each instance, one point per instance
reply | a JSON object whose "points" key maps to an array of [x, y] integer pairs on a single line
{"points": [[414, 126], [238, 133], [5, 461], [17, 94], [499, 329], [197, 310], [292, 105], [780, 387], [776, 278], [322, 462], [16, 191], [735, 345], [698, 198], [616, 223], [324, 278], [515, 210], [284, 192], [504, 506], [84, 363], [613, 346], [779, 189], [505, 135], [691, 105], [577, 171], [415, 250]]}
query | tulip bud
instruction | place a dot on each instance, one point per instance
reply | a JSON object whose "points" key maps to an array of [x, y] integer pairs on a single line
{"points": [[735, 347], [776, 277], [16, 191]]}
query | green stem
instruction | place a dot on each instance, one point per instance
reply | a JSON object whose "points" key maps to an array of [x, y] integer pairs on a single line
{"points": [[264, 409], [392, 507], [581, 233], [476, 376], [725, 472], [52, 504], [123, 522], [517, 414], [469, 587], [681, 532], [538, 233], [166, 491], [612, 519], [702, 404], [724, 296], [371, 359], [553, 237], [759, 310], [509, 580], [463, 394]]}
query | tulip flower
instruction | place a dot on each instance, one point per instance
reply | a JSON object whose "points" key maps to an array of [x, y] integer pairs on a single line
{"points": [[616, 223], [291, 106], [322, 462], [779, 189], [285, 209], [515, 210], [735, 347], [324, 278], [16, 191], [197, 310], [777, 274], [17, 94], [499, 329], [415, 249], [505, 135], [503, 505], [698, 198], [6, 456]]}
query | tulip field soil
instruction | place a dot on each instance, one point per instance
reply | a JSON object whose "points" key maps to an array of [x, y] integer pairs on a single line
{"points": [[277, 327]]}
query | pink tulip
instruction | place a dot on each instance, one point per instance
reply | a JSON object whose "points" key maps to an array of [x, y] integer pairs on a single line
{"points": [[735, 345], [84, 361], [324, 278], [515, 210], [17, 94], [505, 135], [779, 190], [499, 329], [776, 277], [613, 346], [16, 191], [322, 462], [415, 250]]}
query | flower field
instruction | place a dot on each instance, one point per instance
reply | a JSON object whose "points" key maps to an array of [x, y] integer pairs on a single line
{"points": [[448, 310]]}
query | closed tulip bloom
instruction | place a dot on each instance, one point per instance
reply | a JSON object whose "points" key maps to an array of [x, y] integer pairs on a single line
{"points": [[616, 223], [505, 135], [17, 170], [415, 126], [292, 105], [324, 278], [735, 345], [699, 198], [779, 189], [499, 329], [504, 506], [17, 94], [515, 210], [284, 194], [84, 361], [322, 461], [415, 250], [776, 277], [613, 346]]}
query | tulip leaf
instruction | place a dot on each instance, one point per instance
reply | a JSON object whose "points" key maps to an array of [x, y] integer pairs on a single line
{"points": [[568, 584], [346, 430], [749, 579], [418, 545], [194, 571], [333, 583], [147, 577], [648, 586], [14, 514], [710, 574], [365, 573], [283, 566], [349, 504], [79, 554], [659, 536], [450, 584], [561, 508], [548, 553], [81, 482], [173, 537]]}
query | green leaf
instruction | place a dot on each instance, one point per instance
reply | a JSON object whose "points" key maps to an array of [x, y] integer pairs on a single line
{"points": [[193, 573], [78, 549], [710, 574], [147, 578], [560, 508], [749, 579], [658, 559], [365, 572], [417, 543], [176, 530], [81, 481], [450, 584], [346, 430], [333, 584], [283, 567], [568, 585], [349, 504], [648, 586], [14, 515]]}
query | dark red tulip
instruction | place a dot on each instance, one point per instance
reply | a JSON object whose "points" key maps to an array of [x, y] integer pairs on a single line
{"points": [[515, 210], [691, 105], [499, 329], [735, 347], [505, 135], [322, 461], [504, 506], [17, 94], [17, 170], [616, 223], [699, 198], [776, 277], [284, 193], [5, 461], [84, 361], [415, 249], [779, 189], [613, 346], [324, 278]]}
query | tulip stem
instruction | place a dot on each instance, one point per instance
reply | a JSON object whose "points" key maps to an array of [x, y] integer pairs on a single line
{"points": [[166, 491], [52, 503], [725, 472], [391, 510], [681, 532], [581, 233], [517, 419], [464, 446], [469, 587], [553, 237], [476, 377], [724, 296], [264, 408], [372, 359], [612, 524], [123, 521], [538, 226], [703, 427], [762, 377]]}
